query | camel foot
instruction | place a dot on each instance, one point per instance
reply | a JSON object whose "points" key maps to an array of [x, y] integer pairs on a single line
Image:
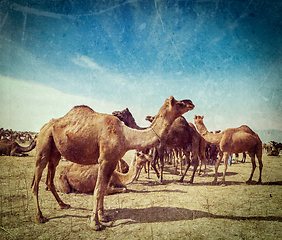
{"points": [[41, 219], [249, 182], [180, 180], [104, 218], [64, 206], [259, 183], [214, 182], [160, 181], [96, 226]]}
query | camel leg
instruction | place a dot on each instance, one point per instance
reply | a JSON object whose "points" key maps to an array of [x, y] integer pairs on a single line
{"points": [[260, 167], [203, 160], [148, 167], [181, 161], [53, 163], [161, 157], [216, 167], [104, 174], [39, 167], [112, 190], [244, 158], [203, 155], [154, 162], [200, 166], [175, 160], [226, 156], [259, 157], [195, 163], [252, 155], [187, 158]]}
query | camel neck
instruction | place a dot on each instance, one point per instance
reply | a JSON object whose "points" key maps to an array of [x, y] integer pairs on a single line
{"points": [[208, 136], [127, 178], [155, 133], [141, 139]]}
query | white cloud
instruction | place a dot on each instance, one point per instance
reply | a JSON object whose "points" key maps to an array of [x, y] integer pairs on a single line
{"points": [[87, 62], [28, 106]]}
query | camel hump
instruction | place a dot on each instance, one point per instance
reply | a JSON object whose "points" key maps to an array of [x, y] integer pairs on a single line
{"points": [[84, 107]]}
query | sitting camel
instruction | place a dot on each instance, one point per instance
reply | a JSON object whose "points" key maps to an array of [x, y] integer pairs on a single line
{"points": [[83, 178], [233, 140], [86, 137], [12, 148], [276, 148]]}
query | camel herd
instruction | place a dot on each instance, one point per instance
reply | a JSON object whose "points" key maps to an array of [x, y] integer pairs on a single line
{"points": [[20, 137], [272, 148], [9, 142], [94, 144]]}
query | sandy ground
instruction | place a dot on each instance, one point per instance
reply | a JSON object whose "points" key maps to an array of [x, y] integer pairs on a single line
{"points": [[149, 210]]}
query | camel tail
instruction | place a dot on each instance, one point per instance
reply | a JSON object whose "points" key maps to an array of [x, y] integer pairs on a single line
{"points": [[259, 149], [31, 185]]}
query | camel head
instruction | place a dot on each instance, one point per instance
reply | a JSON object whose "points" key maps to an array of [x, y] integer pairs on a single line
{"points": [[198, 119], [142, 158], [150, 118], [124, 115], [173, 109]]}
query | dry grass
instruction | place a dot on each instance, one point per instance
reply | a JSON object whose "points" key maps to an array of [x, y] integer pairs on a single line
{"points": [[149, 210]]}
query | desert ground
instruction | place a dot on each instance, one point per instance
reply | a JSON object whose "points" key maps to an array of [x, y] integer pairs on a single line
{"points": [[149, 210]]}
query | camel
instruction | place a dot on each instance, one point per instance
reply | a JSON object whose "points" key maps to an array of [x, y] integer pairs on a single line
{"points": [[233, 140], [87, 137], [126, 116], [268, 147], [182, 135], [12, 148], [83, 178], [275, 149]]}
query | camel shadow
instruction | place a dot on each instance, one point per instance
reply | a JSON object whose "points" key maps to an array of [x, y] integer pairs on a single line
{"points": [[167, 214], [272, 183], [219, 183], [163, 190]]}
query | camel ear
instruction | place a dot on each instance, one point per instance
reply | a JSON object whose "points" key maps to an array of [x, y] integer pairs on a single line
{"points": [[202, 117], [172, 100]]}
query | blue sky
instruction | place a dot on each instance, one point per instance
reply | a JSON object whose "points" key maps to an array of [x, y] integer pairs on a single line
{"points": [[226, 56]]}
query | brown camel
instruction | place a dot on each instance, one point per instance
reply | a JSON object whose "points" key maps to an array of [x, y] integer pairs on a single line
{"points": [[86, 137], [126, 116], [83, 178], [182, 135], [233, 140], [12, 148], [275, 149]]}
